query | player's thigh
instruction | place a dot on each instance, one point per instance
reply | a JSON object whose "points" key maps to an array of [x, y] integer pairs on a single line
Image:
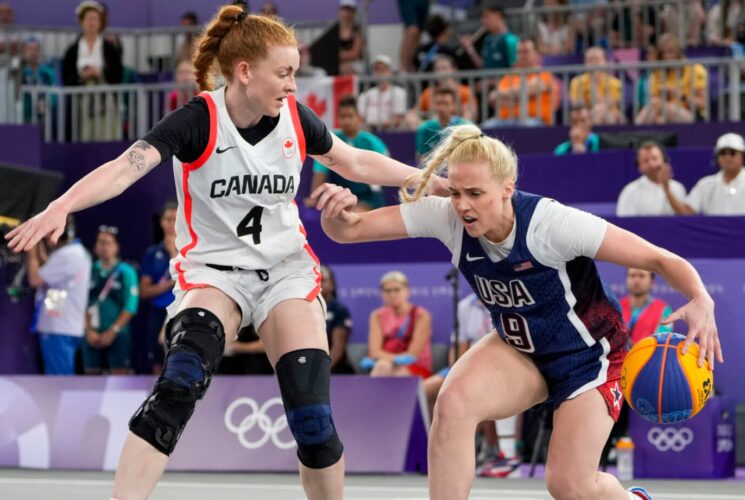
{"points": [[580, 430], [218, 303], [291, 325], [492, 381]]}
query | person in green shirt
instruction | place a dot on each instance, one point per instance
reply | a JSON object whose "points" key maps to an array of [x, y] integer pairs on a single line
{"points": [[369, 197], [429, 133], [113, 300], [499, 49], [581, 137]]}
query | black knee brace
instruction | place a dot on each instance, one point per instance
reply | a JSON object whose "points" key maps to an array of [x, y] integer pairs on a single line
{"points": [[304, 382], [195, 342]]}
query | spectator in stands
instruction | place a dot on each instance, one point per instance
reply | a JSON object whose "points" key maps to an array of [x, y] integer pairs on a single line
{"points": [[722, 193], [338, 324], [542, 92], [8, 42], [33, 72], [690, 16], [429, 133], [721, 22], [445, 68], [438, 30], [112, 303], [187, 81], [555, 34], [245, 355], [306, 68], [61, 277], [647, 195], [590, 26], [414, 16], [634, 25], [91, 60], [649, 54], [581, 137], [383, 106], [400, 334], [156, 284], [269, 9], [598, 90], [499, 49], [677, 95], [642, 313], [187, 20], [369, 197], [351, 42]]}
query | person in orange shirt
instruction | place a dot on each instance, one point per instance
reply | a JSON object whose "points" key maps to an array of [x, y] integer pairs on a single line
{"points": [[542, 93], [445, 68], [598, 90]]}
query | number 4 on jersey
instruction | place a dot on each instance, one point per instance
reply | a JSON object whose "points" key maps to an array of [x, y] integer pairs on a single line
{"points": [[251, 225]]}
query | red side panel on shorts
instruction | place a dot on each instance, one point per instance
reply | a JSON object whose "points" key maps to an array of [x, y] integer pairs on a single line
{"points": [[297, 126], [186, 168], [313, 293]]}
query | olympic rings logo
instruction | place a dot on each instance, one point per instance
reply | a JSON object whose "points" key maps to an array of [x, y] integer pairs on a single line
{"points": [[670, 438], [258, 417]]}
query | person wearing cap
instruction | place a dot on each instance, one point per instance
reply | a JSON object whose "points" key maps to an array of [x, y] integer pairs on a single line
{"points": [[722, 193], [383, 106], [351, 43]]}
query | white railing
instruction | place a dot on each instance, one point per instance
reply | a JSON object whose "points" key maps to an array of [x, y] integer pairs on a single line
{"points": [[143, 49], [125, 112]]}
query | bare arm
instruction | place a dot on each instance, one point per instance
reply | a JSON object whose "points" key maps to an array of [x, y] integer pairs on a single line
{"points": [[32, 267], [422, 332], [375, 339], [148, 289], [626, 249], [106, 182], [339, 337]]}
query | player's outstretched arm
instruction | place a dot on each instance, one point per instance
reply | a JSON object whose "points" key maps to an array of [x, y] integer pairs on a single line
{"points": [[105, 182], [360, 165], [627, 249], [344, 226]]}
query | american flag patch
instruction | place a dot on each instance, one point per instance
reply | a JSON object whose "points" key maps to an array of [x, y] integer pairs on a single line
{"points": [[524, 266]]}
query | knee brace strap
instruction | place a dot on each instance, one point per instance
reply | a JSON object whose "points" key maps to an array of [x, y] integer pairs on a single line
{"points": [[304, 377], [196, 341]]}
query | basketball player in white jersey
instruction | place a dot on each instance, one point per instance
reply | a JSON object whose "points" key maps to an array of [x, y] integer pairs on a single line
{"points": [[243, 257], [561, 334]]}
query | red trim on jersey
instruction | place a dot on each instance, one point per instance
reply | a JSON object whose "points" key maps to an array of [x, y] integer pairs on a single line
{"points": [[313, 293], [297, 126], [186, 168]]}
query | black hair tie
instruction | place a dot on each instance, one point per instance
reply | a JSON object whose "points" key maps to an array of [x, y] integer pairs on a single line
{"points": [[241, 17]]}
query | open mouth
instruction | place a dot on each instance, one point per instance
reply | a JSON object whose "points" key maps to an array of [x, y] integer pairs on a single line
{"points": [[469, 221]]}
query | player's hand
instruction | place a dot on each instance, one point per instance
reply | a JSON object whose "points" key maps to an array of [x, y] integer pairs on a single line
{"points": [[27, 235], [335, 202], [438, 186], [699, 314]]}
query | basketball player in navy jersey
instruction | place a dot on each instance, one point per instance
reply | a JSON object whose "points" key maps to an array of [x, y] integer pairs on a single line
{"points": [[243, 257], [561, 334]]}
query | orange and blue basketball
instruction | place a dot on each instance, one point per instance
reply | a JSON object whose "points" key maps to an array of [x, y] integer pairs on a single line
{"points": [[662, 384]]}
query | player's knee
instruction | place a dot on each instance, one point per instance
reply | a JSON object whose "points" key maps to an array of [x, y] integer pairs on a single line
{"points": [[453, 406], [304, 377], [195, 340], [564, 484]]}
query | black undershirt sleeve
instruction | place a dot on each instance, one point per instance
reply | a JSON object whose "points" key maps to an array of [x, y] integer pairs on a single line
{"points": [[184, 133]]}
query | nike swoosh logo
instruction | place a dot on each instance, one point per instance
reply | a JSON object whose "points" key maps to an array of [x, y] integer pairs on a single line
{"points": [[221, 151], [471, 259]]}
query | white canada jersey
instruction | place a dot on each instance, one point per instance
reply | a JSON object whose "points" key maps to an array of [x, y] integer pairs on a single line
{"points": [[236, 201]]}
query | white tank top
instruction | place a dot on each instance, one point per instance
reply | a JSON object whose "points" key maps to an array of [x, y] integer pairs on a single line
{"points": [[236, 201]]}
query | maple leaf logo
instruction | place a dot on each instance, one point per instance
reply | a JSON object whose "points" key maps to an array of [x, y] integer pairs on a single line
{"points": [[317, 105], [288, 144]]}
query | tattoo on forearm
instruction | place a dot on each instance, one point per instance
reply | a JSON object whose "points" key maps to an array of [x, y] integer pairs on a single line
{"points": [[329, 160], [136, 158]]}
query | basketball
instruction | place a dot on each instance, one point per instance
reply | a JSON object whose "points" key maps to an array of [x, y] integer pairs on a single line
{"points": [[663, 385]]}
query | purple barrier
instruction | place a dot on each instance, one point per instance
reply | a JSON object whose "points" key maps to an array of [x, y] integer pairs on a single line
{"points": [[701, 448], [20, 145], [81, 423]]}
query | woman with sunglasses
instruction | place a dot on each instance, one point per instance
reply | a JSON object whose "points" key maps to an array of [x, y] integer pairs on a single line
{"points": [[722, 193], [113, 299], [243, 256]]}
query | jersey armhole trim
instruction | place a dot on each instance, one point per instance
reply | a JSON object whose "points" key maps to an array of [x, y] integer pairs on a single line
{"points": [[199, 162], [292, 104]]}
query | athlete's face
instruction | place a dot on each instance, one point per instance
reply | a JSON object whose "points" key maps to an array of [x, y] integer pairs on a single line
{"points": [[271, 80], [639, 282], [481, 199]]}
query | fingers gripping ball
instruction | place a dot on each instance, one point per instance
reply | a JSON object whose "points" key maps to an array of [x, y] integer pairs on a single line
{"points": [[661, 383]]}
